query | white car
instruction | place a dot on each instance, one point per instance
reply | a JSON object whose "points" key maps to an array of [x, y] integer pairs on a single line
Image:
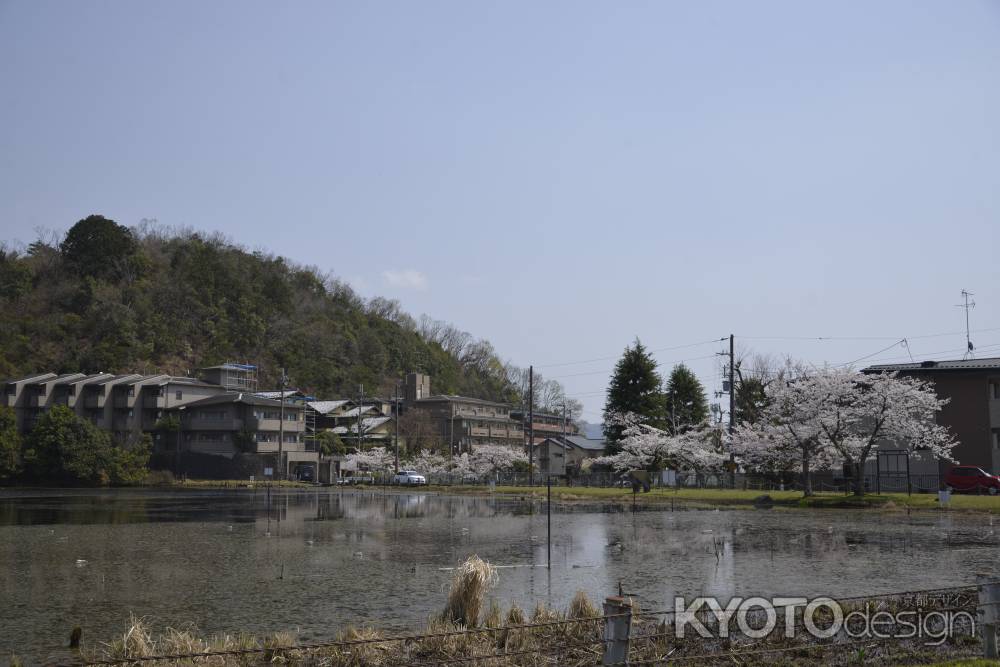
{"points": [[409, 477]]}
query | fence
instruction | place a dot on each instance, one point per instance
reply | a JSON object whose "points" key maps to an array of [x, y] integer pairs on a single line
{"points": [[821, 481], [627, 635]]}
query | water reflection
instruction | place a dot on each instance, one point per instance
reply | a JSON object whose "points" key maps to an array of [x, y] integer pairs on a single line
{"points": [[313, 561]]}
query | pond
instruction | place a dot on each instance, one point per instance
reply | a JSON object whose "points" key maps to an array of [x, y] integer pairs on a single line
{"points": [[315, 561]]}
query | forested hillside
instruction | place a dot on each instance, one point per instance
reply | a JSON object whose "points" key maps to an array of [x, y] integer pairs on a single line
{"points": [[109, 298]]}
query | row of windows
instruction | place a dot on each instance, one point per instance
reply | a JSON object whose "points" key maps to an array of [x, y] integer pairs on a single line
{"points": [[290, 438]]}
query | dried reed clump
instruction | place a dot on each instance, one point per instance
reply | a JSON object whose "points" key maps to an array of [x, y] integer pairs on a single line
{"points": [[472, 580], [581, 607], [136, 642]]}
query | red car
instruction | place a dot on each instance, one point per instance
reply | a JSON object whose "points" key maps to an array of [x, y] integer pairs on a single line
{"points": [[971, 478]]}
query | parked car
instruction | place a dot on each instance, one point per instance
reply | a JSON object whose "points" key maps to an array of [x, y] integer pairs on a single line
{"points": [[307, 474], [971, 478], [409, 477]]}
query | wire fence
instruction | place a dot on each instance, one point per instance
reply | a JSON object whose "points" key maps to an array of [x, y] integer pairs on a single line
{"points": [[648, 646]]}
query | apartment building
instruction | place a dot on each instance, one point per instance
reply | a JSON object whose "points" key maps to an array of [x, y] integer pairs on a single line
{"points": [[463, 421], [972, 388], [546, 424], [234, 423], [125, 405]]}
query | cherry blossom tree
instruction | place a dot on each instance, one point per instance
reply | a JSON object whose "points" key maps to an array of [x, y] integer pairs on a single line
{"points": [[491, 459], [645, 447], [429, 462], [787, 433], [376, 458], [859, 412], [835, 415]]}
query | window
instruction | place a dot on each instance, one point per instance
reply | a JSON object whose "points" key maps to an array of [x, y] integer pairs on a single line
{"points": [[179, 394], [131, 413], [72, 390], [995, 390], [131, 392]]}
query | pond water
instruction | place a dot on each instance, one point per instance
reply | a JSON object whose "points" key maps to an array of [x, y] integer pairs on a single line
{"points": [[315, 561]]}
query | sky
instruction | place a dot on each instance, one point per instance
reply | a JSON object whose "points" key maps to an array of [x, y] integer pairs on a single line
{"points": [[556, 177]]}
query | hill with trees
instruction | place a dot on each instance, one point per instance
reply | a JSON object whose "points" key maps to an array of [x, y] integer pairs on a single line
{"points": [[145, 299]]}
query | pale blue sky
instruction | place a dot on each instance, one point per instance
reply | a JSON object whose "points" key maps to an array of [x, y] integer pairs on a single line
{"points": [[557, 177]]}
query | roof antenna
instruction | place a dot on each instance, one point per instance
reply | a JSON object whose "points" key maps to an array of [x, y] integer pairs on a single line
{"points": [[968, 305]]}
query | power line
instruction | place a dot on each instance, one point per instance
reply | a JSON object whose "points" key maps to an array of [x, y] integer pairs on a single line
{"points": [[858, 338], [659, 349], [610, 370]]}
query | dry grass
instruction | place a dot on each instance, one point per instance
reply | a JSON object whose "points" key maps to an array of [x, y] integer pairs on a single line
{"points": [[472, 581], [570, 638]]}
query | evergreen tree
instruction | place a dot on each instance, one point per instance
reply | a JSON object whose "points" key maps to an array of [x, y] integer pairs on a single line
{"points": [[685, 400], [635, 387], [10, 444]]}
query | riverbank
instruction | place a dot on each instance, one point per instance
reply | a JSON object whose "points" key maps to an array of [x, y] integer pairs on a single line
{"points": [[736, 498]]}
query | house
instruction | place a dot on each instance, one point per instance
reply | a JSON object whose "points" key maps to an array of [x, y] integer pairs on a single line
{"points": [[972, 388], [565, 455]]}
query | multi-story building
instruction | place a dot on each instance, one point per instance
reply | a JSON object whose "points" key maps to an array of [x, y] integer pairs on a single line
{"points": [[233, 423], [546, 424], [125, 405], [462, 421], [972, 413], [183, 414], [560, 456]]}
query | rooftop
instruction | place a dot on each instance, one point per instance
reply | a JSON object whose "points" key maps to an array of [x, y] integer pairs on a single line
{"points": [[326, 407], [447, 398], [240, 397], [987, 364]]}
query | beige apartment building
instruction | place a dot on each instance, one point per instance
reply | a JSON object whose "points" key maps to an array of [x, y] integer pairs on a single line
{"points": [[462, 421], [234, 423], [213, 421]]}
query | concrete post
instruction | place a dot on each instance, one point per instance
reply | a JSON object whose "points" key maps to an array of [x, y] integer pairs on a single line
{"points": [[616, 630], [989, 614]]}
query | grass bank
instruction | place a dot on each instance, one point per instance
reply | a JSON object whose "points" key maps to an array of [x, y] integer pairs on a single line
{"points": [[741, 498]]}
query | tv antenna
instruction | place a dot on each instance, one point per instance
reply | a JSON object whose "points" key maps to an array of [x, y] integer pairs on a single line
{"points": [[967, 305]]}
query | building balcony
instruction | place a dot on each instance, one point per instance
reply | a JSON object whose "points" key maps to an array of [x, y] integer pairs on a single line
{"points": [[194, 424], [255, 424]]}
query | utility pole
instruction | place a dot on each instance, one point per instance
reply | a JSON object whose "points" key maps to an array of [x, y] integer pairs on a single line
{"points": [[531, 425], [395, 404], [969, 347], [732, 411], [281, 425], [361, 402]]}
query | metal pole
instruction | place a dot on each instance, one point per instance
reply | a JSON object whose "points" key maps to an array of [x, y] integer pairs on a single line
{"points": [[531, 425], [548, 511], [909, 484], [878, 474], [281, 426]]}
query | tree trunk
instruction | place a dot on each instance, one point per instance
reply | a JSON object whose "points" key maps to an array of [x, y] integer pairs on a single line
{"points": [[806, 477], [859, 479]]}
